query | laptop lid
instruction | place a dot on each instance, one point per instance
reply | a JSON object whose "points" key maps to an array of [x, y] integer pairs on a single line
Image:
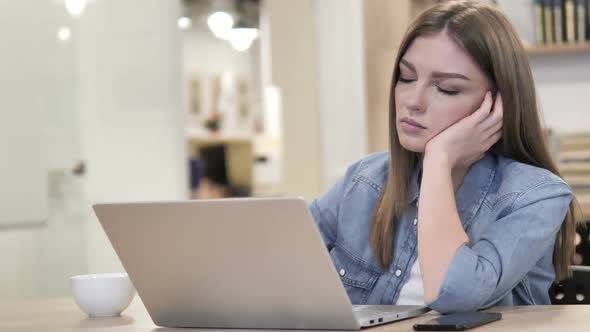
{"points": [[231, 263]]}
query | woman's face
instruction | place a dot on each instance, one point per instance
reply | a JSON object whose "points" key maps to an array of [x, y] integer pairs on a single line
{"points": [[439, 84]]}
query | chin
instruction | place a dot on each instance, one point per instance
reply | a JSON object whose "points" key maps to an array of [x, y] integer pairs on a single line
{"points": [[412, 144]]}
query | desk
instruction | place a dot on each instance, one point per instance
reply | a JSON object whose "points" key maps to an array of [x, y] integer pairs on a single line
{"points": [[63, 315]]}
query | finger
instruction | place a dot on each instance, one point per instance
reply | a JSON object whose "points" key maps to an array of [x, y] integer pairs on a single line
{"points": [[491, 126], [491, 123], [484, 110], [496, 116], [494, 138]]}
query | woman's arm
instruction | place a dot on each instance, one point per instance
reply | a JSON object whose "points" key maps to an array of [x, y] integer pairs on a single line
{"points": [[483, 272], [446, 159], [440, 232]]}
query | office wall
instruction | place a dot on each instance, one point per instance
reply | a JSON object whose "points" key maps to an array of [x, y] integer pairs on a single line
{"points": [[206, 57], [320, 76], [341, 86], [384, 25], [111, 98], [38, 81], [294, 71], [563, 86], [132, 111]]}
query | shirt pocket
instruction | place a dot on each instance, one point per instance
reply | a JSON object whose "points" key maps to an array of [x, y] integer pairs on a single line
{"points": [[357, 276]]}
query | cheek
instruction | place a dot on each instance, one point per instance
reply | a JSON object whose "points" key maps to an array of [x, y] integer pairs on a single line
{"points": [[398, 98], [447, 112]]}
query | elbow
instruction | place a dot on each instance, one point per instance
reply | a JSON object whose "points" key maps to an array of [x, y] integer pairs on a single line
{"points": [[456, 297], [465, 295], [449, 304], [430, 293], [467, 286]]}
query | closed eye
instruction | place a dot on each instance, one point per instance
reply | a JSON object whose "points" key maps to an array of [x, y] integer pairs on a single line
{"points": [[404, 80], [447, 92]]}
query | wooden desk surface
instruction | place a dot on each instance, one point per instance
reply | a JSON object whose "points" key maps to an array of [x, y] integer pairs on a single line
{"points": [[63, 315]]}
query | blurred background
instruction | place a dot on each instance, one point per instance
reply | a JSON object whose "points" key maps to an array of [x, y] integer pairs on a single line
{"points": [[126, 100]]}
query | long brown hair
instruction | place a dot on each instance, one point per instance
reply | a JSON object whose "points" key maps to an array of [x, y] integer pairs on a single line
{"points": [[492, 42]]}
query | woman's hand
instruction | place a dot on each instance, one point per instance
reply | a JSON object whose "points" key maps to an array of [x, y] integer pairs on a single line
{"points": [[466, 141]]}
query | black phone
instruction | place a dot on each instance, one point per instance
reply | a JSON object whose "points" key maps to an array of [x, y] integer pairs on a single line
{"points": [[459, 321]]}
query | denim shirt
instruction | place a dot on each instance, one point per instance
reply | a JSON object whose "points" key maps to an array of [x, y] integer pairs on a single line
{"points": [[510, 211]]}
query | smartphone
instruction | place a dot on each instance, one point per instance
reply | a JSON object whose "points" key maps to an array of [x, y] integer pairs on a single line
{"points": [[459, 321]]}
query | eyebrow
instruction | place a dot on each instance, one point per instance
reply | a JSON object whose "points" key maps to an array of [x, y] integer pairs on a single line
{"points": [[436, 74]]}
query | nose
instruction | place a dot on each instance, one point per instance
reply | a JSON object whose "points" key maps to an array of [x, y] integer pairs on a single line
{"points": [[414, 98]]}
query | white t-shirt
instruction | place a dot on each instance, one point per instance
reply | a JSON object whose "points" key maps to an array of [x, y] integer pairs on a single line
{"points": [[412, 292]]}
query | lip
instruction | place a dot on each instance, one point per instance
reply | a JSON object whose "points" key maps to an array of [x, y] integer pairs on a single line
{"points": [[412, 122]]}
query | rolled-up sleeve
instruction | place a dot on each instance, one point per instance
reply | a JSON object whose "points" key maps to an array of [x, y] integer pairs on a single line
{"points": [[325, 208], [481, 273]]}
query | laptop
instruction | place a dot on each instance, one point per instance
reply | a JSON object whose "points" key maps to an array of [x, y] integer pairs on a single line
{"points": [[250, 263]]}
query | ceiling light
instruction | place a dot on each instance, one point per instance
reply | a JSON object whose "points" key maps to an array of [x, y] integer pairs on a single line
{"points": [[64, 34], [184, 23], [242, 38], [75, 7], [221, 24]]}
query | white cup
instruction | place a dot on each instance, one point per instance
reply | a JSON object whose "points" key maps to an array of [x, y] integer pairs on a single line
{"points": [[102, 295]]}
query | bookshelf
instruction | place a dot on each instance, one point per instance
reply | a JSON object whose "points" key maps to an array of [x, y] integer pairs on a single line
{"points": [[559, 49], [517, 11], [574, 164]]}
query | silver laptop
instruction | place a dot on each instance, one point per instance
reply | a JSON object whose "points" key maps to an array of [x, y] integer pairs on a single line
{"points": [[235, 263]]}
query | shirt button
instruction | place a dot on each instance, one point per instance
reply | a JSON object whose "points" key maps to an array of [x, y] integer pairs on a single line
{"points": [[415, 221], [398, 273], [342, 272]]}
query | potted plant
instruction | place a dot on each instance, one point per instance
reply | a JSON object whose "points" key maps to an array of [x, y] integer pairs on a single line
{"points": [[213, 122]]}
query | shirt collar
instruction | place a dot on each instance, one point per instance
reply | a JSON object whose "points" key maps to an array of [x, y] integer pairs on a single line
{"points": [[414, 185], [476, 184]]}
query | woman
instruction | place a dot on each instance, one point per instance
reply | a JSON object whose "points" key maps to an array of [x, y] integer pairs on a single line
{"points": [[467, 210]]}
